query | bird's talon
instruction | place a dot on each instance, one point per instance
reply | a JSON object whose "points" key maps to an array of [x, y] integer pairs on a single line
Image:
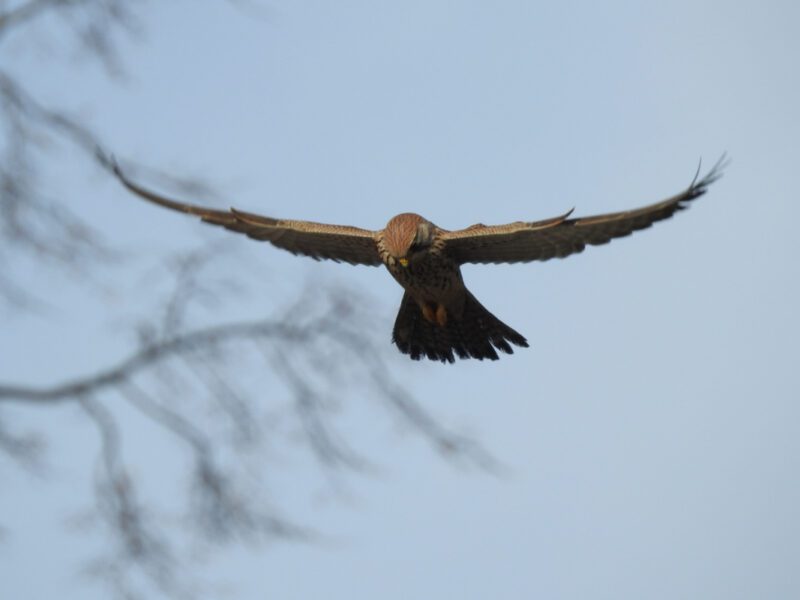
{"points": [[441, 315], [429, 313]]}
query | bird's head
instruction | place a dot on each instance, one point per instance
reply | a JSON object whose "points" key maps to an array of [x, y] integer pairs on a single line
{"points": [[408, 236]]}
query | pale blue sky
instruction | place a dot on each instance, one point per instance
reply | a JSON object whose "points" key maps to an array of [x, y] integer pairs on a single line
{"points": [[650, 433]]}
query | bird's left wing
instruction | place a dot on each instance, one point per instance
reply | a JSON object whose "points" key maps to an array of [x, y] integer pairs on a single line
{"points": [[562, 236], [339, 243]]}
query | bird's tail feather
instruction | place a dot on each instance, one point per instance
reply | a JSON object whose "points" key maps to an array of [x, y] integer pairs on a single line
{"points": [[477, 334]]}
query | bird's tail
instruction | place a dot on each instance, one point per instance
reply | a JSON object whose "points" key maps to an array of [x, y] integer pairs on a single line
{"points": [[477, 334]]}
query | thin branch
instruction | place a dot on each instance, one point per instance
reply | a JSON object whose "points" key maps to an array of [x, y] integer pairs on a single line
{"points": [[30, 223], [220, 510], [171, 420], [23, 13], [224, 394], [94, 23], [18, 99], [448, 443], [330, 451], [26, 450], [125, 517], [330, 327], [149, 356]]}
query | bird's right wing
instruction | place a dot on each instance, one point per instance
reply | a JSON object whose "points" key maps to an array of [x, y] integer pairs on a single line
{"points": [[562, 236], [339, 243]]}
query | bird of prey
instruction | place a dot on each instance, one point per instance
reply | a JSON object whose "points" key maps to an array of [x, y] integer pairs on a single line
{"points": [[439, 318]]}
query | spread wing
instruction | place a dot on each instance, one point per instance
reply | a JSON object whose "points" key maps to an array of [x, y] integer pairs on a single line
{"points": [[334, 242], [562, 236]]}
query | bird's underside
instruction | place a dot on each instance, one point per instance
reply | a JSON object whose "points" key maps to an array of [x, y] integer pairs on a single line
{"points": [[476, 334], [439, 318]]}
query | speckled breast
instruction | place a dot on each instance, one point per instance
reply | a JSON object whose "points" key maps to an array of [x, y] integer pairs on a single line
{"points": [[430, 277]]}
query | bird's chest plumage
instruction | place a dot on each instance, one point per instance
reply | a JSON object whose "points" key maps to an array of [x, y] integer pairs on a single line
{"points": [[429, 277]]}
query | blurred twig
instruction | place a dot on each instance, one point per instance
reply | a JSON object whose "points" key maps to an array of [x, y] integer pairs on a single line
{"points": [[26, 11]]}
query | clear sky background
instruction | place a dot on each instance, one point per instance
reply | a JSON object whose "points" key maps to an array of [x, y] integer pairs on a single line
{"points": [[650, 435]]}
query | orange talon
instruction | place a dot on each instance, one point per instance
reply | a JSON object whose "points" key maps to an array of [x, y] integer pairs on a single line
{"points": [[441, 315], [428, 312]]}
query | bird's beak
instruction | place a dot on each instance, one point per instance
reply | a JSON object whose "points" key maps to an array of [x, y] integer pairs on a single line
{"points": [[403, 261]]}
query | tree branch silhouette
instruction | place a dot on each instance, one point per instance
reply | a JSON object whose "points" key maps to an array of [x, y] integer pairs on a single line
{"points": [[208, 389], [222, 504]]}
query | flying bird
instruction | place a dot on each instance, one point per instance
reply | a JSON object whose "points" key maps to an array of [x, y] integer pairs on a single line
{"points": [[439, 318]]}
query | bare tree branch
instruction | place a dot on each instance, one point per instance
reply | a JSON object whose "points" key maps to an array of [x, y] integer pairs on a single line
{"points": [[25, 449], [189, 384], [279, 333], [329, 451], [220, 511], [139, 544], [43, 227], [148, 356], [24, 12], [222, 505], [95, 23], [30, 222]]}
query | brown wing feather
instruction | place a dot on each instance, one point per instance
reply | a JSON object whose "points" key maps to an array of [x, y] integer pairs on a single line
{"points": [[561, 236], [317, 240]]}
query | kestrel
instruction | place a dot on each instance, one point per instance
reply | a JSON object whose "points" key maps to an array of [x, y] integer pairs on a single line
{"points": [[439, 318]]}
